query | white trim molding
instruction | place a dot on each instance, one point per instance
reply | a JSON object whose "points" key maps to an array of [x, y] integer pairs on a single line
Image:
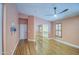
{"points": [[15, 47], [31, 40], [65, 42]]}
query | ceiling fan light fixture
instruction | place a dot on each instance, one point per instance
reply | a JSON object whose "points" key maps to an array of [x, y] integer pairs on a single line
{"points": [[55, 15]]}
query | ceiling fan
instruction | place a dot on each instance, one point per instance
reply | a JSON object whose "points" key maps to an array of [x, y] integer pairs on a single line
{"points": [[55, 11]]}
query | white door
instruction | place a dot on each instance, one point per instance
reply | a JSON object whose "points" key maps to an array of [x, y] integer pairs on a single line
{"points": [[0, 29], [23, 31]]}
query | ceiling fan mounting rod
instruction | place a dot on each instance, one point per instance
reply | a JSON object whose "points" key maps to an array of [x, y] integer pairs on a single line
{"points": [[55, 10]]}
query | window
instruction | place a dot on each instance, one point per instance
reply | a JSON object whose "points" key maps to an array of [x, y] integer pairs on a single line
{"points": [[45, 30], [58, 30]]}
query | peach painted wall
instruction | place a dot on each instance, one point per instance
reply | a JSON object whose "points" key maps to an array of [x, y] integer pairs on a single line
{"points": [[31, 28], [10, 39], [23, 21], [70, 29], [21, 15]]}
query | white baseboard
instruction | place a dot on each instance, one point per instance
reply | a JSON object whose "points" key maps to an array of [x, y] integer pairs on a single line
{"points": [[15, 48], [66, 43], [31, 40]]}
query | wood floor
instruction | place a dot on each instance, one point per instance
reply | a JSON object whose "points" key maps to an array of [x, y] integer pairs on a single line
{"points": [[25, 48], [44, 47]]}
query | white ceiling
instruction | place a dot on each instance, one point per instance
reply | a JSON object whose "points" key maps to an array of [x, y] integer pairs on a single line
{"points": [[43, 9]]}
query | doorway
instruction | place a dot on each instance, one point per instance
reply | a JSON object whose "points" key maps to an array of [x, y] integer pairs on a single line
{"points": [[23, 28], [23, 31]]}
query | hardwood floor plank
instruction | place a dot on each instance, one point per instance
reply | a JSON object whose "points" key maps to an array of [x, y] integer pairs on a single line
{"points": [[44, 47]]}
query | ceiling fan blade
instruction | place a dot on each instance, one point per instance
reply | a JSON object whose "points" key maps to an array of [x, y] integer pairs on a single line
{"points": [[64, 11]]}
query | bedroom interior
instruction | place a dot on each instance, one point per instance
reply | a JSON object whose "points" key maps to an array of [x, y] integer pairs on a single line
{"points": [[39, 29]]}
